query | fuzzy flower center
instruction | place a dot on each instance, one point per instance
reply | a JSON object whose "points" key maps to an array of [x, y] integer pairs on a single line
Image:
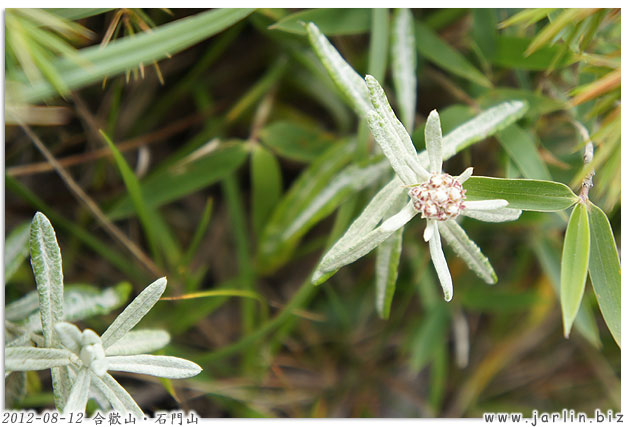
{"points": [[440, 198]]}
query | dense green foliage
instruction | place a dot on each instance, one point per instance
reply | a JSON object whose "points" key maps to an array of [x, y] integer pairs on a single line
{"points": [[234, 162]]}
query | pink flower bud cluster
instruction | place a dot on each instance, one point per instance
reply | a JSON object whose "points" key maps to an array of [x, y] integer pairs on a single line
{"points": [[440, 198]]}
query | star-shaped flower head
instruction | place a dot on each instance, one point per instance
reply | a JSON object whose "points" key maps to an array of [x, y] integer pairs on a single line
{"points": [[437, 196], [89, 358]]}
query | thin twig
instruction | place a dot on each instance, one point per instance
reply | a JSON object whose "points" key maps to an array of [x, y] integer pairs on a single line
{"points": [[587, 158], [111, 228], [156, 136]]}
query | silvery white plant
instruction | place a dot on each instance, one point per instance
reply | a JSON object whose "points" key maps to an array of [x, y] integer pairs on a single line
{"points": [[437, 196], [80, 361]]}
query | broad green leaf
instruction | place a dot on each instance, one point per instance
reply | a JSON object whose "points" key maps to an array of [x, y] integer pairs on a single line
{"points": [[45, 258], [441, 53], [35, 359], [179, 180], [296, 141], [519, 145], [525, 194], [387, 262], [605, 270], [160, 366], [267, 185], [15, 249], [77, 400], [119, 398], [404, 65], [139, 342], [331, 22], [145, 214], [574, 264], [510, 53], [432, 331], [549, 257], [465, 248], [480, 127], [134, 312], [349, 82], [129, 52]]}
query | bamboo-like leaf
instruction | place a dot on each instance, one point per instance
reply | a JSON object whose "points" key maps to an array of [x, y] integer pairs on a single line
{"points": [[35, 359], [605, 271], [525, 194], [160, 366], [296, 141], [134, 312], [349, 82], [129, 52], [574, 264], [480, 127], [404, 65], [139, 342], [119, 398], [74, 14], [15, 250], [45, 258], [547, 34], [77, 400]]}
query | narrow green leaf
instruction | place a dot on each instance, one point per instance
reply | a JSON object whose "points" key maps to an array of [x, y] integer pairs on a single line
{"points": [[605, 271], [134, 312], [45, 258], [177, 181], [519, 145], [15, 249], [267, 185], [146, 215], [404, 65], [296, 141], [379, 41], [35, 359], [331, 22], [441, 53], [525, 194], [74, 14], [430, 333], [128, 52], [198, 234], [465, 248], [484, 30], [574, 264]]}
